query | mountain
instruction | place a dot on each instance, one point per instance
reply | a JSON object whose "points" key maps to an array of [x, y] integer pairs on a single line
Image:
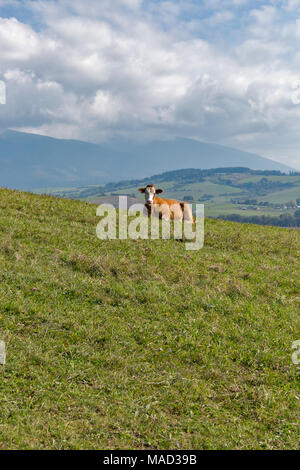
{"points": [[29, 161], [161, 156]]}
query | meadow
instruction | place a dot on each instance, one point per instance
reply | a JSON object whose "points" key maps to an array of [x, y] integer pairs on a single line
{"points": [[123, 344]]}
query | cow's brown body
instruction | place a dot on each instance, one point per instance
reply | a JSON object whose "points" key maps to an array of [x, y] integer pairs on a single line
{"points": [[166, 209]]}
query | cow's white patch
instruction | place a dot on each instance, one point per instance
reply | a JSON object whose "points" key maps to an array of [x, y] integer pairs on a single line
{"points": [[149, 195]]}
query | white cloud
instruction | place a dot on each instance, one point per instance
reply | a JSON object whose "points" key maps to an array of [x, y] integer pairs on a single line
{"points": [[18, 41], [220, 17], [92, 71], [291, 5]]}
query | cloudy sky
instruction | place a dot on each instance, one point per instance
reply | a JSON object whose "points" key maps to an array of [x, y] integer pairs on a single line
{"points": [[224, 71]]}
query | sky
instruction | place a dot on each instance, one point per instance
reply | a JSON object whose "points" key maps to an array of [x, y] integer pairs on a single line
{"points": [[222, 71]]}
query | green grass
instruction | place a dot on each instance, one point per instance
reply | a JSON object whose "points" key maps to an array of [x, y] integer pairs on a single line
{"points": [[282, 196], [141, 344]]}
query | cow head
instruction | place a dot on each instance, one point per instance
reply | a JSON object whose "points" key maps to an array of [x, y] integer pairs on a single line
{"points": [[150, 191]]}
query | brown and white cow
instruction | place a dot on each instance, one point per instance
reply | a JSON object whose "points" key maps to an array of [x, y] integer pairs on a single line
{"points": [[167, 209]]}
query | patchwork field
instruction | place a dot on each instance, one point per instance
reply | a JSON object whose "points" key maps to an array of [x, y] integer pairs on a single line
{"points": [[223, 191], [126, 344]]}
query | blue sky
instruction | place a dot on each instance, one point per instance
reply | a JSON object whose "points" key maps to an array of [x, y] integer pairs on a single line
{"points": [[219, 71]]}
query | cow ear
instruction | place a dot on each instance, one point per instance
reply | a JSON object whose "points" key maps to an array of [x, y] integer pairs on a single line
{"points": [[159, 191], [142, 190]]}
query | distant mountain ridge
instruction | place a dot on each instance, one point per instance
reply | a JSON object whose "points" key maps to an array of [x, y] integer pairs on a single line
{"points": [[30, 161]]}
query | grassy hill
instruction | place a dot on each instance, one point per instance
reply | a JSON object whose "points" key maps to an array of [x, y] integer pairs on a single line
{"points": [[224, 191], [141, 344]]}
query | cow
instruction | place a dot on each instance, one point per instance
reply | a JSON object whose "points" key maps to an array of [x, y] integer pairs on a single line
{"points": [[166, 209]]}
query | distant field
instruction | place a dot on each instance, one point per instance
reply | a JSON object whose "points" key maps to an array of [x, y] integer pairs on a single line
{"points": [[216, 190], [216, 210], [282, 196], [281, 178], [123, 344]]}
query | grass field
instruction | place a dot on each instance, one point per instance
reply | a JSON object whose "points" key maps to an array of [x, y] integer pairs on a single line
{"points": [[141, 344]]}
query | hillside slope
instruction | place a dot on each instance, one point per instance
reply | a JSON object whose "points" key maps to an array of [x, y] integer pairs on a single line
{"points": [[141, 344], [29, 161]]}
